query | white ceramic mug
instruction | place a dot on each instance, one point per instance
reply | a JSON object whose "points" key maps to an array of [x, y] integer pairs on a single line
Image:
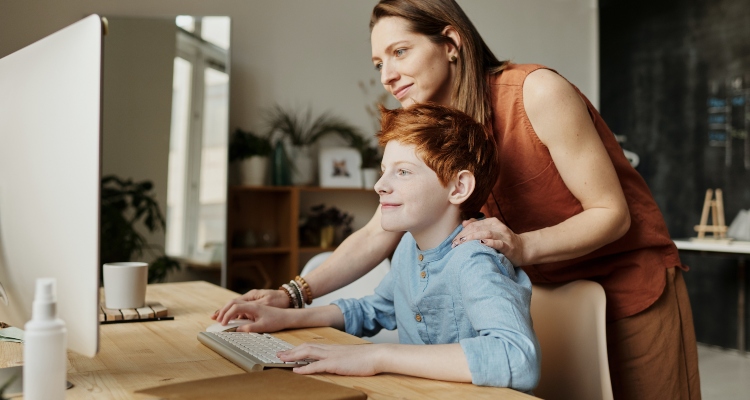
{"points": [[125, 284]]}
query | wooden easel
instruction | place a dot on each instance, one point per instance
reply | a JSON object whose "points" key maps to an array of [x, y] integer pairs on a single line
{"points": [[718, 228]]}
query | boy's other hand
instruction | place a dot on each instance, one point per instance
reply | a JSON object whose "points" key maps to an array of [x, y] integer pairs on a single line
{"points": [[264, 318], [493, 233], [353, 360], [268, 297]]}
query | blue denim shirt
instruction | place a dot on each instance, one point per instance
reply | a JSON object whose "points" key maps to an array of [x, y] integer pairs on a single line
{"points": [[470, 295]]}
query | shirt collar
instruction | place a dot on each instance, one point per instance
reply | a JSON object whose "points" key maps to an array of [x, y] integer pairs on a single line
{"points": [[441, 250]]}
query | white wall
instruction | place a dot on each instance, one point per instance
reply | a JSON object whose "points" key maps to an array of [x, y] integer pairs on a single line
{"points": [[302, 52], [137, 103], [561, 34], [315, 52]]}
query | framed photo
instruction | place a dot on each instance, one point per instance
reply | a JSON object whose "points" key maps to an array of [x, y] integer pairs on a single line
{"points": [[340, 167]]}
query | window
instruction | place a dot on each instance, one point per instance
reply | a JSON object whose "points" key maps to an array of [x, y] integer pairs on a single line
{"points": [[196, 197]]}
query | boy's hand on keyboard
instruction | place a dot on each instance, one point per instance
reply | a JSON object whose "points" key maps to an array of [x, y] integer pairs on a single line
{"points": [[274, 298], [265, 318], [355, 360]]}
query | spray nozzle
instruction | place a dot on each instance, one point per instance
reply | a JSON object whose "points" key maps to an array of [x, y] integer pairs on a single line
{"points": [[45, 299], [45, 290]]}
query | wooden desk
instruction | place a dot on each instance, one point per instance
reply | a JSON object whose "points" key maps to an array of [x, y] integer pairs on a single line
{"points": [[135, 356], [738, 249]]}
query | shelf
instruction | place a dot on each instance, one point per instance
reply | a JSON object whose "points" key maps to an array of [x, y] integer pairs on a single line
{"points": [[247, 188], [330, 189], [259, 250], [315, 249], [199, 264], [277, 209]]}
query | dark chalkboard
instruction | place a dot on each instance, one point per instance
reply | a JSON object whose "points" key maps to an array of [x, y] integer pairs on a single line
{"points": [[675, 80]]}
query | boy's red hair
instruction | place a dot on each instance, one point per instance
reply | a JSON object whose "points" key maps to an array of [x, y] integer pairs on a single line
{"points": [[448, 141]]}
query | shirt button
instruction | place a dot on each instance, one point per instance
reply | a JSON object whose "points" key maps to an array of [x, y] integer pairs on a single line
{"points": [[423, 274], [421, 257], [418, 318]]}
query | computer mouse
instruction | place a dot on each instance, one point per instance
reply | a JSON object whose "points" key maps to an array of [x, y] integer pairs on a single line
{"points": [[230, 327]]}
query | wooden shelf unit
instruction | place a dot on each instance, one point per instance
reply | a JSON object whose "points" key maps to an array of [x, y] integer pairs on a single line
{"points": [[275, 209]]}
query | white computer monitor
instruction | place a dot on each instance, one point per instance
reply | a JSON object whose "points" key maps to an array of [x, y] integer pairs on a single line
{"points": [[50, 168]]}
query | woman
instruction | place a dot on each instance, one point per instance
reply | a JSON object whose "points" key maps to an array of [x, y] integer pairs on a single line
{"points": [[567, 204]]}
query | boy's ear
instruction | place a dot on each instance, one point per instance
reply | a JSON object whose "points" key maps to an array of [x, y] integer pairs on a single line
{"points": [[463, 187]]}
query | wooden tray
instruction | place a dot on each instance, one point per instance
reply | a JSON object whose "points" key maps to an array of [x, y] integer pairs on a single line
{"points": [[151, 311]]}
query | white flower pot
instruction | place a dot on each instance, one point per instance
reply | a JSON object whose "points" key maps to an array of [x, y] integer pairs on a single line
{"points": [[253, 170], [369, 177], [303, 166]]}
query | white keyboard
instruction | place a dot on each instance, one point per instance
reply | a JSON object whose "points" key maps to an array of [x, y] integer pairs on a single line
{"points": [[250, 351]]}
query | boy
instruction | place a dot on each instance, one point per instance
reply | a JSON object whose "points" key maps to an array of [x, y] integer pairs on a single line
{"points": [[468, 303]]}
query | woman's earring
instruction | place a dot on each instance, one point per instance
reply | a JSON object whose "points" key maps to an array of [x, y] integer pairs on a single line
{"points": [[453, 58]]}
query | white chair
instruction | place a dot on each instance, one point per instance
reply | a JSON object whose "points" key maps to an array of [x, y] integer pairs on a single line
{"points": [[361, 287], [569, 321]]}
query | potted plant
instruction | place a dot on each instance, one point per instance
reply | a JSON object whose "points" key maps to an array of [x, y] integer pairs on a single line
{"points": [[250, 152], [302, 131], [325, 226], [124, 205], [371, 156]]}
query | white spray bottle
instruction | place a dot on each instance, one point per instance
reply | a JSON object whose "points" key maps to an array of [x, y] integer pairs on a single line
{"points": [[45, 344]]}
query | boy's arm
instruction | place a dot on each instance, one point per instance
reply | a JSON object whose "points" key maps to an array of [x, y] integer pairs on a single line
{"points": [[368, 315], [442, 361], [329, 315], [497, 303], [357, 316], [272, 319]]}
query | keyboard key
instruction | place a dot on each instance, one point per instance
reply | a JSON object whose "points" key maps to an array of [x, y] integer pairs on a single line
{"points": [[250, 350]]}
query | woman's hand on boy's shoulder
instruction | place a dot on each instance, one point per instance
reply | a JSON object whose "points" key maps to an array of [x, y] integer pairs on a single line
{"points": [[493, 233]]}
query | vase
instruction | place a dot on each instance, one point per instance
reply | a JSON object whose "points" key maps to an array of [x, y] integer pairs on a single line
{"points": [[369, 177], [303, 166], [327, 235], [253, 170], [281, 175]]}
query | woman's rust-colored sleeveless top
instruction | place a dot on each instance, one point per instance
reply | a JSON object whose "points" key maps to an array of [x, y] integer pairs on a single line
{"points": [[531, 195]]}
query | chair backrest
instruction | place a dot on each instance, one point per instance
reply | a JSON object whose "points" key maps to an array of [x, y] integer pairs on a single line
{"points": [[361, 287], [569, 321]]}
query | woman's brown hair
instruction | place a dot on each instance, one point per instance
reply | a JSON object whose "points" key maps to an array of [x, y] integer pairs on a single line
{"points": [[448, 141], [471, 91]]}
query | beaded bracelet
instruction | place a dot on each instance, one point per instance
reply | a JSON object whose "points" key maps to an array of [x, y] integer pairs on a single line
{"points": [[291, 301], [289, 293], [301, 281], [295, 300], [298, 288], [297, 295]]}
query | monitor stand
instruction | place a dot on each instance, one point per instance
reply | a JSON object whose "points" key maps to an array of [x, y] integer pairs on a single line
{"points": [[11, 382]]}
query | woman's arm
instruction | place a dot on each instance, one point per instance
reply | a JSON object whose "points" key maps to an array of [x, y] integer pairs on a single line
{"points": [[443, 361], [561, 121], [356, 256], [273, 319]]}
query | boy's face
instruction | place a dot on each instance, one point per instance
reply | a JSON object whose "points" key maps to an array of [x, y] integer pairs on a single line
{"points": [[411, 196]]}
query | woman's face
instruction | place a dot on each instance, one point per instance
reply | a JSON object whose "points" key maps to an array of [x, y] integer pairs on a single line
{"points": [[412, 68]]}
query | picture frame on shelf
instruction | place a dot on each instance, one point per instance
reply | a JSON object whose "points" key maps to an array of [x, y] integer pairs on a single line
{"points": [[340, 167]]}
